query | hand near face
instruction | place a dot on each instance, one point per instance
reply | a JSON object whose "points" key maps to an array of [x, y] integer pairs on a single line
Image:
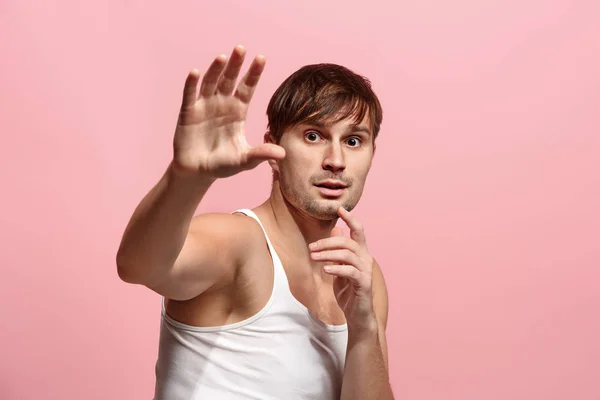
{"points": [[210, 138], [349, 260]]}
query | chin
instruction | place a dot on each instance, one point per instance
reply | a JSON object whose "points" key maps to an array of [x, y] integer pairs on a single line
{"points": [[316, 206], [326, 210], [325, 213]]}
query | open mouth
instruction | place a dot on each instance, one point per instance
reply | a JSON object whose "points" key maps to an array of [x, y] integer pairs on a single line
{"points": [[331, 189], [331, 185]]}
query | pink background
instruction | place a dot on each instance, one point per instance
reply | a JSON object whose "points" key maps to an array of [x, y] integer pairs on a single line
{"points": [[482, 205]]}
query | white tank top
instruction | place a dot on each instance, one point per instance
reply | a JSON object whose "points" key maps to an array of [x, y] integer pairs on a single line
{"points": [[281, 353]]}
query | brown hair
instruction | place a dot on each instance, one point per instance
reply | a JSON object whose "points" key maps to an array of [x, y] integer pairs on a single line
{"points": [[322, 93]]}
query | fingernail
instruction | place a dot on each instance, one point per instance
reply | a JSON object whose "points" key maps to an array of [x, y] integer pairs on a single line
{"points": [[312, 246]]}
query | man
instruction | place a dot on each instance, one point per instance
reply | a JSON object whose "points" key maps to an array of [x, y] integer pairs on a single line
{"points": [[273, 302]]}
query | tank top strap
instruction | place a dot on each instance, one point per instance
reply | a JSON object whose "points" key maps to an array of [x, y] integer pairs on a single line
{"points": [[281, 285], [280, 278]]}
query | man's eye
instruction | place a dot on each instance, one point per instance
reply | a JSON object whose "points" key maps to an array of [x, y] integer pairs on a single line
{"points": [[312, 136], [353, 142]]}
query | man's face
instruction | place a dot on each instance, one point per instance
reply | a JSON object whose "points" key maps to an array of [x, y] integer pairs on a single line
{"points": [[326, 166]]}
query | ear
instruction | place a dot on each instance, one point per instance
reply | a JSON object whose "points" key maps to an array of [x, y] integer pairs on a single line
{"points": [[268, 138], [372, 156]]}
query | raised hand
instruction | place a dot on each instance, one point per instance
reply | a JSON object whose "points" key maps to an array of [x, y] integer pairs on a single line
{"points": [[349, 260], [210, 137]]}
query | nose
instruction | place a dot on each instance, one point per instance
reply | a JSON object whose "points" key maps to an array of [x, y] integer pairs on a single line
{"points": [[334, 160]]}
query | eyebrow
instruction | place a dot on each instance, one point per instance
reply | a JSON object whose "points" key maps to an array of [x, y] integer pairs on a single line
{"points": [[360, 128], [353, 128]]}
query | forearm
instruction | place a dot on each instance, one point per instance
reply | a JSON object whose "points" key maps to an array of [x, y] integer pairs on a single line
{"points": [[365, 373], [158, 227]]}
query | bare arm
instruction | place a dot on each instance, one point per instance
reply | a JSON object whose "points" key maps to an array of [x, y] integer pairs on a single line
{"points": [[360, 291], [164, 247], [158, 231], [366, 373]]}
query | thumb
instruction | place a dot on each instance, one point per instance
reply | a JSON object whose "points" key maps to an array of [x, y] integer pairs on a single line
{"points": [[337, 231], [263, 152]]}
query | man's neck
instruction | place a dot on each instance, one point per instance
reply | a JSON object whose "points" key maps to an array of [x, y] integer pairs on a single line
{"points": [[293, 229]]}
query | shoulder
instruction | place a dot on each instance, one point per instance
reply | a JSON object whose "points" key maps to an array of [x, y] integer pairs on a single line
{"points": [[222, 222], [232, 234]]}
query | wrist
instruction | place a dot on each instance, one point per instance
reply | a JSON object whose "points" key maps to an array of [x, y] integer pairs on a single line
{"points": [[178, 174], [365, 331]]}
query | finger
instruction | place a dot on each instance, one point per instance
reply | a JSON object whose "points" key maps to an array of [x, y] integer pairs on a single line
{"points": [[248, 83], [263, 152], [335, 242], [348, 272], [190, 89], [211, 78], [343, 256], [337, 231], [356, 229], [232, 70]]}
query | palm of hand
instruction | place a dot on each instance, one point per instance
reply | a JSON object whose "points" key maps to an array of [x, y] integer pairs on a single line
{"points": [[354, 300], [215, 125], [210, 136], [353, 292]]}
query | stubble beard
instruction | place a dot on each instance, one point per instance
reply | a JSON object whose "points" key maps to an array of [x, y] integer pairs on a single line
{"points": [[319, 208]]}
